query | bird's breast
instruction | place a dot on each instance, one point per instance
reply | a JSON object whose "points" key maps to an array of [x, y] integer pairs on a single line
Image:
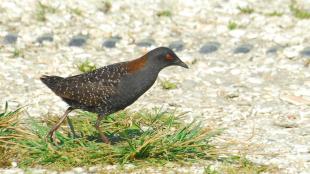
{"points": [[132, 86]]}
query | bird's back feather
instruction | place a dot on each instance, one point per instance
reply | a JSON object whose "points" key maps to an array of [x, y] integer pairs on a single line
{"points": [[89, 89]]}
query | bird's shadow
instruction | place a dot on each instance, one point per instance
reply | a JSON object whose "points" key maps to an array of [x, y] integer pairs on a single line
{"points": [[116, 137]]}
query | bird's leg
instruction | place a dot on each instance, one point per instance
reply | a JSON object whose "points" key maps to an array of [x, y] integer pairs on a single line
{"points": [[97, 125], [71, 127], [52, 131]]}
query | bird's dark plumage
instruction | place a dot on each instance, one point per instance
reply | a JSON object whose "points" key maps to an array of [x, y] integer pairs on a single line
{"points": [[113, 87]]}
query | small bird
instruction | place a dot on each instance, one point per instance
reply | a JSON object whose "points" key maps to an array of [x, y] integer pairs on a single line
{"points": [[111, 88]]}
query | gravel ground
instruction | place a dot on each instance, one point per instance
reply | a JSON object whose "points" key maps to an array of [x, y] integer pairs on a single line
{"points": [[249, 71]]}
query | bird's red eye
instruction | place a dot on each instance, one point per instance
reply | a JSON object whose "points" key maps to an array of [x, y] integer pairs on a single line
{"points": [[169, 57]]}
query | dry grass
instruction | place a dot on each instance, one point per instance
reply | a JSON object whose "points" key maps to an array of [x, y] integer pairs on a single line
{"points": [[246, 10], [10, 132], [42, 10]]}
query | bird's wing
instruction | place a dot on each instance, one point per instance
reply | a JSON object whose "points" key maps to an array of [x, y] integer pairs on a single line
{"points": [[92, 89]]}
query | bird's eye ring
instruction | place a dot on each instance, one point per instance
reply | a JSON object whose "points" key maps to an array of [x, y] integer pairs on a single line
{"points": [[169, 57]]}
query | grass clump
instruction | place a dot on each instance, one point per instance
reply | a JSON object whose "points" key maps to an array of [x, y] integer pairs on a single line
{"points": [[246, 10], [17, 52], [274, 13], [166, 84], [77, 11], [298, 12], [105, 6], [164, 13], [143, 139], [42, 10], [232, 25], [139, 138], [86, 66]]}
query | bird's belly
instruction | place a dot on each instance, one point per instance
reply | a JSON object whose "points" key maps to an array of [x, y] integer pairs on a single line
{"points": [[126, 99]]}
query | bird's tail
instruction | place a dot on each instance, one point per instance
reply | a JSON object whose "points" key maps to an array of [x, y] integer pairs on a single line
{"points": [[51, 81]]}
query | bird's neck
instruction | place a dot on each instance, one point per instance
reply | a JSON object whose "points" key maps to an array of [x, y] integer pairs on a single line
{"points": [[141, 76], [137, 64]]}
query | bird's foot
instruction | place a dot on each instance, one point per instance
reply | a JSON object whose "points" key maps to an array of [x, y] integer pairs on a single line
{"points": [[51, 137]]}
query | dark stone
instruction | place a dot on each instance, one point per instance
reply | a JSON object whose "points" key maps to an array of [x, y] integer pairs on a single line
{"points": [[10, 38], [146, 43], [305, 52], [118, 38], [78, 41], [110, 43], [272, 50], [244, 48], [209, 47], [45, 37], [177, 45]]}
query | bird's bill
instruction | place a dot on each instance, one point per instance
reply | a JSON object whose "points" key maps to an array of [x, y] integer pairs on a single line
{"points": [[182, 64]]}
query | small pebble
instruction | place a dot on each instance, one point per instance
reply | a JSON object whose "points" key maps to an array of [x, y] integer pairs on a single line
{"points": [[14, 164], [93, 169], [287, 120], [78, 170], [291, 52]]}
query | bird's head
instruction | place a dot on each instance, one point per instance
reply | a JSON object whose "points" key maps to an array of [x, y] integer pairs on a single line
{"points": [[163, 57]]}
